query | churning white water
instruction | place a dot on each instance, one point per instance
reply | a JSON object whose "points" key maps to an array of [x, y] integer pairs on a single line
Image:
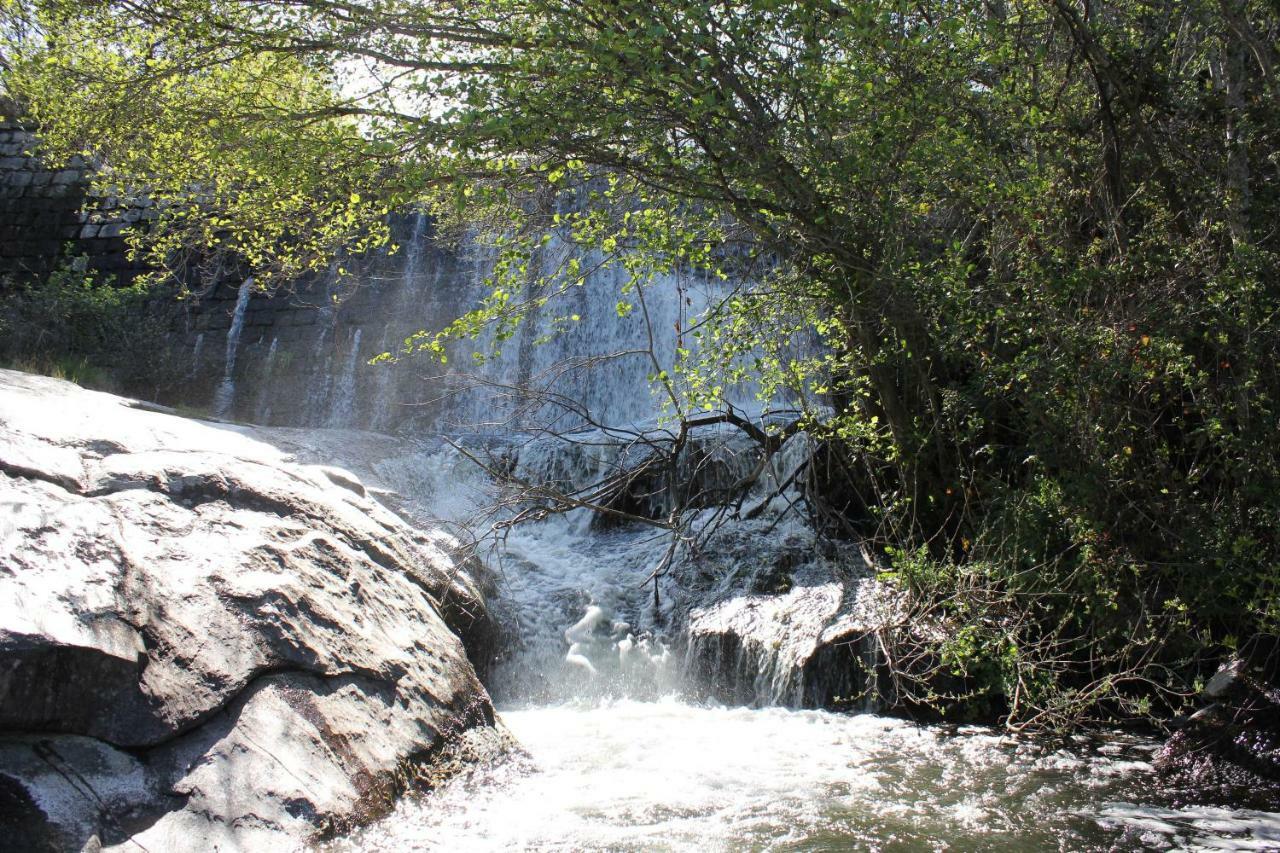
{"points": [[667, 775]]}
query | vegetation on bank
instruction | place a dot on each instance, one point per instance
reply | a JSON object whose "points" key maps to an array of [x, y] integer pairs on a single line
{"points": [[1037, 242], [72, 326]]}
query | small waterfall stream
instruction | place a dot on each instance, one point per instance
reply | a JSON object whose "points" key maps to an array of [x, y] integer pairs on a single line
{"points": [[342, 406], [262, 412], [227, 389], [668, 714]]}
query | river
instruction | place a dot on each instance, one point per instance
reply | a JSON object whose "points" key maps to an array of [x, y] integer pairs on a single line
{"points": [[668, 775]]}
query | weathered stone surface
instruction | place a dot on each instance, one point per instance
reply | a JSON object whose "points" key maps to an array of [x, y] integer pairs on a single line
{"points": [[811, 645], [390, 469], [1229, 679], [204, 644], [1229, 748], [42, 209]]}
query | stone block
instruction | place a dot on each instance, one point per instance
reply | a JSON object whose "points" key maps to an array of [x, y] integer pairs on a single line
{"points": [[61, 190], [46, 248], [14, 249], [46, 218]]}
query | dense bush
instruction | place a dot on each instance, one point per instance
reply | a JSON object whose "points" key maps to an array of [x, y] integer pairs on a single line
{"points": [[72, 326]]}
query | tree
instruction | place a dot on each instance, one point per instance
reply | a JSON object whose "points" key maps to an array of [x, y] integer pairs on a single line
{"points": [[1035, 240]]}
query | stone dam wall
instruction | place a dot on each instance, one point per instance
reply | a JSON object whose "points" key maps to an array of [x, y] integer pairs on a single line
{"points": [[48, 218]]}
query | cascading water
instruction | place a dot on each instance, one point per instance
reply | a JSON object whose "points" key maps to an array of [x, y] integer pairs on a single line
{"points": [[622, 754], [197, 350], [416, 297], [574, 349], [226, 393], [343, 403], [320, 386], [613, 649], [262, 414]]}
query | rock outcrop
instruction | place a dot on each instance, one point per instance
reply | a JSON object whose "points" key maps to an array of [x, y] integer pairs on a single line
{"points": [[1229, 749], [205, 645], [785, 625], [811, 646]]}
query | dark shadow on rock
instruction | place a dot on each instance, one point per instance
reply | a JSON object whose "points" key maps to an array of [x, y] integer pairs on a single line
{"points": [[23, 826]]}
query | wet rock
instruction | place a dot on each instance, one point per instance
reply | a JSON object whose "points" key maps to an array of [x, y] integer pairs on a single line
{"points": [[1227, 680], [390, 470], [206, 645], [1230, 747], [812, 645]]}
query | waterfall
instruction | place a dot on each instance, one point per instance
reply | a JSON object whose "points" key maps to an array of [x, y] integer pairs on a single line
{"points": [[197, 350], [617, 630], [225, 395], [576, 348], [267, 389], [411, 301], [343, 404], [585, 620], [572, 362]]}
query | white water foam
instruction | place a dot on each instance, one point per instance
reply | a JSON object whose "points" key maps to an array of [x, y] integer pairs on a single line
{"points": [[666, 775], [226, 393]]}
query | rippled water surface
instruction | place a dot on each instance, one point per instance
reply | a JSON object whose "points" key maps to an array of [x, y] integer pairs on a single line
{"points": [[671, 776]]}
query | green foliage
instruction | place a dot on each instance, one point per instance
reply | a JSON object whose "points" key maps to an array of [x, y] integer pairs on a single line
{"points": [[73, 327], [1016, 263], [247, 155]]}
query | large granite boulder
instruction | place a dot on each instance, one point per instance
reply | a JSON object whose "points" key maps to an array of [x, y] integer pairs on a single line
{"points": [[205, 645]]}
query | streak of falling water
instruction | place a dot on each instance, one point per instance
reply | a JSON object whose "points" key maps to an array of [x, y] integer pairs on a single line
{"points": [[317, 408], [196, 352], [342, 408], [266, 389], [226, 393], [410, 302]]}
